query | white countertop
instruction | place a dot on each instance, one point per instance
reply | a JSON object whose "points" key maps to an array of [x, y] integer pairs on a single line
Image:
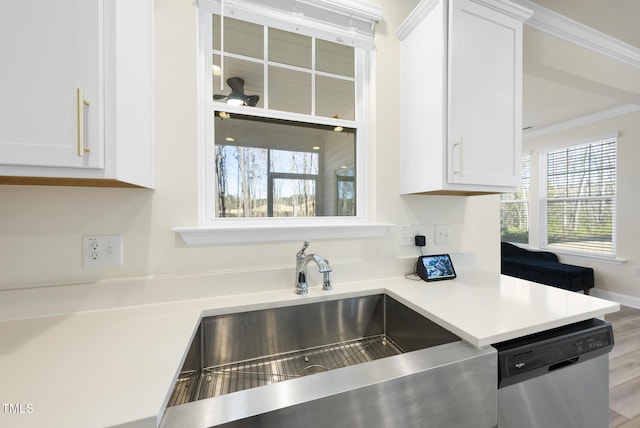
{"points": [[116, 366]]}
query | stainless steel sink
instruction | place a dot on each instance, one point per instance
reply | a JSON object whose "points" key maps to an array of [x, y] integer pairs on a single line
{"points": [[281, 366]]}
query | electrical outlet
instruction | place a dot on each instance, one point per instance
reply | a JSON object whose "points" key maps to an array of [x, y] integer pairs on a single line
{"points": [[407, 232], [443, 234], [102, 250]]}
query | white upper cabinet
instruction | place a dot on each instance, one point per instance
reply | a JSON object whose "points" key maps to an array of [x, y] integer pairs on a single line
{"points": [[75, 92], [48, 54], [461, 97]]}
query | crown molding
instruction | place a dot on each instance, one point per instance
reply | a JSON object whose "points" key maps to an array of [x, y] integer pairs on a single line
{"points": [[426, 6], [583, 120], [507, 7], [560, 26], [415, 17]]}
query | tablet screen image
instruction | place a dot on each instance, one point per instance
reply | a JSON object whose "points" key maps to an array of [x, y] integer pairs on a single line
{"points": [[436, 267]]}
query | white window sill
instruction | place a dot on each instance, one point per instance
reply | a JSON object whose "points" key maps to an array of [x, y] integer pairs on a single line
{"points": [[594, 257], [241, 232], [568, 253]]}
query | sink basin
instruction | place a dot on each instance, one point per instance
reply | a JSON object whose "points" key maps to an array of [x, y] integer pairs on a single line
{"points": [[245, 350], [286, 363]]}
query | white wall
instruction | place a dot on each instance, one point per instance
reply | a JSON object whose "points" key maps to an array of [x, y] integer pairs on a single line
{"points": [[41, 228], [611, 277], [564, 63]]}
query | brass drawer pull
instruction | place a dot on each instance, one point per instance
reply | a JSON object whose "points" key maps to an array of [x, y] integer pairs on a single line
{"points": [[81, 102]]}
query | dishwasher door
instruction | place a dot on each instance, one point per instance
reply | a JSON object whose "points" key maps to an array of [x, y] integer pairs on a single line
{"points": [[574, 397], [556, 379]]}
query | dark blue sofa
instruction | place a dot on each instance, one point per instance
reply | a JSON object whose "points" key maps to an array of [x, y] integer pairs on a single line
{"points": [[544, 267]]}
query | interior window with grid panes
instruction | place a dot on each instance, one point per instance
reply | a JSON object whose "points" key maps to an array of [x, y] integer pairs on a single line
{"points": [[285, 122]]}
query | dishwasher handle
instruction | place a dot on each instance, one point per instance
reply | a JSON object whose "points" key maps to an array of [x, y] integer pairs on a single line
{"points": [[531, 356], [510, 377], [563, 364]]}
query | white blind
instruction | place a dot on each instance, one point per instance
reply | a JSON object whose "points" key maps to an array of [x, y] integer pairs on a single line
{"points": [[350, 22], [580, 198]]}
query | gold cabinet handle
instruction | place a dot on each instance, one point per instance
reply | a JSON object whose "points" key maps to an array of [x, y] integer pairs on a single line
{"points": [[80, 103], [459, 145], [460, 158]]}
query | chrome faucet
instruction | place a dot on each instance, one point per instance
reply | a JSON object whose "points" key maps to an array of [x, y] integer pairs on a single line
{"points": [[302, 260]]}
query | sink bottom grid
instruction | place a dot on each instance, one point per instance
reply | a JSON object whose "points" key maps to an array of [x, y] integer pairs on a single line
{"points": [[227, 378]]}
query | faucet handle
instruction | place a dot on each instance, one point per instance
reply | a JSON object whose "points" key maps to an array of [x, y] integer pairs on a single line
{"points": [[302, 250]]}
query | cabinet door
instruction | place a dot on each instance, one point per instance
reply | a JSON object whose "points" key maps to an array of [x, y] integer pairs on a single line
{"points": [[50, 49], [484, 128]]}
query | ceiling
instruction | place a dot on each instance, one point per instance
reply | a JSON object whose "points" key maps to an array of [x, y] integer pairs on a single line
{"points": [[617, 18], [547, 102]]}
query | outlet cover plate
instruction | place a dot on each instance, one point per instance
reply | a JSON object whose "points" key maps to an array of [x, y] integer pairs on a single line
{"points": [[102, 250], [443, 234], [406, 234]]}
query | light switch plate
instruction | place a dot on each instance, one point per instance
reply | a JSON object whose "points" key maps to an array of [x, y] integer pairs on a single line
{"points": [[443, 234], [102, 250]]}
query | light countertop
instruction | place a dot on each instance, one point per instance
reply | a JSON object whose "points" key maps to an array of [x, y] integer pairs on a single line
{"points": [[113, 367]]}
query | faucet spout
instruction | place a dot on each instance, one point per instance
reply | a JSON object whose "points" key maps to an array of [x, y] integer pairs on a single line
{"points": [[302, 260], [323, 264], [326, 281]]}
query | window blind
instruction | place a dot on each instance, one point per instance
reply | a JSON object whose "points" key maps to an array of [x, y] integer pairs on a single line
{"points": [[350, 22], [579, 198]]}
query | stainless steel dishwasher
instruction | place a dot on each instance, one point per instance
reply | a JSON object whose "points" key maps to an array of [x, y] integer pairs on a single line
{"points": [[557, 378]]}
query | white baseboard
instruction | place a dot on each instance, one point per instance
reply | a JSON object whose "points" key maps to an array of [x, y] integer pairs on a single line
{"points": [[623, 299]]}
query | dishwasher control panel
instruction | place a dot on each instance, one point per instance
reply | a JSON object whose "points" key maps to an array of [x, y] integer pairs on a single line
{"points": [[543, 352]]}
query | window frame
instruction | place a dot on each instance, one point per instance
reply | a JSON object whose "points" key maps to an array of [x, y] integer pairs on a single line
{"points": [[544, 203], [525, 158], [215, 230]]}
